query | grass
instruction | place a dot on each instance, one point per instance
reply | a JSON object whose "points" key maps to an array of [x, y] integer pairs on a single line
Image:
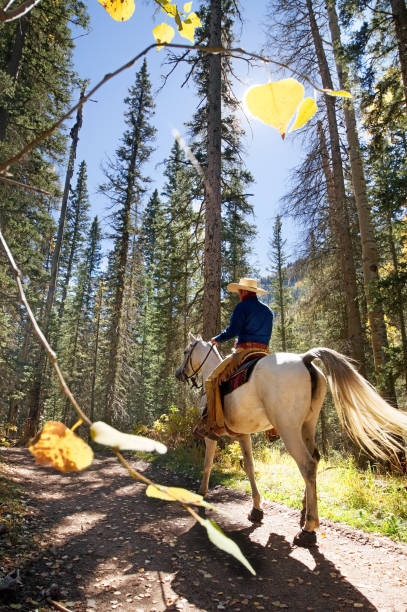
{"points": [[367, 500]]}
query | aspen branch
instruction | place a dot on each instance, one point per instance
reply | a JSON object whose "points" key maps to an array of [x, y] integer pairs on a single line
{"points": [[9, 181], [210, 50], [137, 476], [18, 12]]}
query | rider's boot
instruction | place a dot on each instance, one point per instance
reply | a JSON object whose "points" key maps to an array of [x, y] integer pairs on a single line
{"points": [[202, 429]]}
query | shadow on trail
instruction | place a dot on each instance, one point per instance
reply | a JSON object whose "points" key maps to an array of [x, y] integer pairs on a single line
{"points": [[118, 545], [280, 578]]}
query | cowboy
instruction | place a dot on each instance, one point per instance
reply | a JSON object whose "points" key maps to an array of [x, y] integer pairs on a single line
{"points": [[252, 323]]}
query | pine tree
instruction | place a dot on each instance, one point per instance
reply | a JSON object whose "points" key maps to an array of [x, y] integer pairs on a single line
{"points": [[175, 273], [75, 226], [125, 186], [279, 285], [37, 80]]}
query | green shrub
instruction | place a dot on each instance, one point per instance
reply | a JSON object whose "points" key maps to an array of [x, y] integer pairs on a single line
{"points": [[174, 428]]}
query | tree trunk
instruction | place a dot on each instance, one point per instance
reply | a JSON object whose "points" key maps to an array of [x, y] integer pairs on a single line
{"points": [[344, 240], [95, 353], [400, 300], [68, 178], [399, 11], [13, 67], [35, 396], [213, 221], [370, 255], [73, 247]]}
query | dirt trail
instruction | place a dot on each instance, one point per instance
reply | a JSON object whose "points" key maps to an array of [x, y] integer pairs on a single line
{"points": [[105, 546]]}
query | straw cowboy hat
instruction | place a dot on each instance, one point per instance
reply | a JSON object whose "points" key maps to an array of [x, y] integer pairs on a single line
{"points": [[248, 284]]}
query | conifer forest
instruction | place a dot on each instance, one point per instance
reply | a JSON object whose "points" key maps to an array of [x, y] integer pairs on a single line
{"points": [[116, 293]]}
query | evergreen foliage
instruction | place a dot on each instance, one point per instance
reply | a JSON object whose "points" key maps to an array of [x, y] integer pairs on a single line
{"points": [[37, 79], [125, 186]]}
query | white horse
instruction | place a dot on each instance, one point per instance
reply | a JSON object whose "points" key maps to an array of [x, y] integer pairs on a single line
{"points": [[287, 391]]}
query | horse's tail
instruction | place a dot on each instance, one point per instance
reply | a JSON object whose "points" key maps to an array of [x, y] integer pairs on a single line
{"points": [[370, 421]]}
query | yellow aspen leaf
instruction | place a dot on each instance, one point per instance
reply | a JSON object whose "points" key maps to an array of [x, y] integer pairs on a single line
{"points": [[187, 7], [163, 34], [341, 93], [194, 19], [102, 433], [275, 103], [182, 495], [120, 10], [58, 446], [187, 30], [307, 109], [170, 9], [217, 537]]}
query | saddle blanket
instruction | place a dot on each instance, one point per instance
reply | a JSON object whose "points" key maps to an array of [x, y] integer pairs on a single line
{"points": [[242, 374]]}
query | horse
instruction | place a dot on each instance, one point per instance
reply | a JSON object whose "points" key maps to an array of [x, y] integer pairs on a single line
{"points": [[286, 391]]}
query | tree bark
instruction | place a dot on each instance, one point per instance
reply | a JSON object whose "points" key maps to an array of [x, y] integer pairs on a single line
{"points": [[61, 225], [213, 220], [399, 12], [73, 249], [370, 255], [344, 240], [95, 352], [400, 300]]}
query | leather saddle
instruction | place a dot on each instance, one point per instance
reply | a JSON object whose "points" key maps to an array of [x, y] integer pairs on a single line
{"points": [[241, 375]]}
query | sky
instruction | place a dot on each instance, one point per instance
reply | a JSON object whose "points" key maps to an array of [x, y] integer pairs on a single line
{"points": [[110, 44]]}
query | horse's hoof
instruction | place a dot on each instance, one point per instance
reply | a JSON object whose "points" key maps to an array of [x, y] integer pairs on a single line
{"points": [[302, 517], [306, 539], [256, 516]]}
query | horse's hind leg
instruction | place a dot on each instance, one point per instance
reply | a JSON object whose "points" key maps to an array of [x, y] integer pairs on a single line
{"points": [[308, 428], [307, 465], [210, 447], [308, 435], [256, 514]]}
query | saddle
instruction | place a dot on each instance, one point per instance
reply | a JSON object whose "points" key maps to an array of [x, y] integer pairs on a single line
{"points": [[241, 375]]}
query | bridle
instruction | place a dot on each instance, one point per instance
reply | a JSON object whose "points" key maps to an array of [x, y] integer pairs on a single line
{"points": [[192, 377]]}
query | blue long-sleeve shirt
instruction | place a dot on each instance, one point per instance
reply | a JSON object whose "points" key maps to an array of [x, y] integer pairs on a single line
{"points": [[251, 321]]}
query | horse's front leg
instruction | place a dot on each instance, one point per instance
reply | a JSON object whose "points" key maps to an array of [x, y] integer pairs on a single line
{"points": [[209, 455], [256, 514]]}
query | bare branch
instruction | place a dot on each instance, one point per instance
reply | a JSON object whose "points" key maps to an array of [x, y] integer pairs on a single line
{"points": [[390, 15], [18, 12], [59, 606], [9, 181]]}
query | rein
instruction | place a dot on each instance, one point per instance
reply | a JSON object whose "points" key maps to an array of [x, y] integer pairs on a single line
{"points": [[192, 377]]}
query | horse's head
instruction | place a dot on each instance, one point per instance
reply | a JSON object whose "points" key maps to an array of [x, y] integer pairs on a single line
{"points": [[194, 354]]}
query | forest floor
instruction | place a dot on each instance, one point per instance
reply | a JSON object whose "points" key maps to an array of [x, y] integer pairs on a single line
{"points": [[93, 541]]}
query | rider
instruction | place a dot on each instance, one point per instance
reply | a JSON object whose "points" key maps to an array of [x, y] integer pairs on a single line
{"points": [[252, 323]]}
